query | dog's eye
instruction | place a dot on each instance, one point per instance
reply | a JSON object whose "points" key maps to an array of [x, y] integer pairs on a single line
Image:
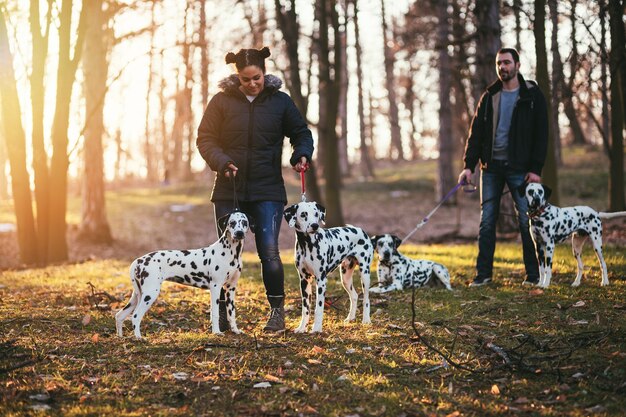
{"points": [[232, 224], [244, 223]]}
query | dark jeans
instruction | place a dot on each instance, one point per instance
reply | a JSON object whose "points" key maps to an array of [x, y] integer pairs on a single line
{"points": [[267, 217], [492, 182]]}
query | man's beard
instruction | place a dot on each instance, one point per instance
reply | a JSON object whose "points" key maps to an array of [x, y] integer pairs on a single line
{"points": [[507, 75]]}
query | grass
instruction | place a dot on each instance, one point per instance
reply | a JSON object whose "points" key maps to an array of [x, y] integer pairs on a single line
{"points": [[558, 352], [60, 338]]}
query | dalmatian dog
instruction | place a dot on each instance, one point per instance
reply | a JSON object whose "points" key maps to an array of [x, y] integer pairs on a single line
{"points": [[214, 267], [398, 272], [320, 251], [550, 225]]}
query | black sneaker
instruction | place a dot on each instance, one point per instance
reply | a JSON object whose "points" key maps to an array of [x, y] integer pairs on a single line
{"points": [[480, 281], [531, 281]]}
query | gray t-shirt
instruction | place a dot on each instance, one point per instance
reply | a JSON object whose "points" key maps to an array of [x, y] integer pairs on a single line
{"points": [[501, 142]]}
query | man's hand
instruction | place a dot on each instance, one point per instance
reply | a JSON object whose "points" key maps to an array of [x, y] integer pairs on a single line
{"points": [[231, 168], [302, 165], [464, 176], [532, 177]]}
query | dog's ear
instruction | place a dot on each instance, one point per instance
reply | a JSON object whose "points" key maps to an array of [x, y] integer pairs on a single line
{"points": [[290, 215], [322, 210], [375, 239], [521, 190], [396, 241], [251, 224], [547, 191], [222, 222]]}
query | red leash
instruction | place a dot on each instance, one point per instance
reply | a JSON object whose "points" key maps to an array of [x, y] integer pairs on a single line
{"points": [[302, 184]]}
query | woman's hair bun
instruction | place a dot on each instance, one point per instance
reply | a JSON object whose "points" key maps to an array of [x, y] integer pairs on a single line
{"points": [[231, 58], [265, 52]]}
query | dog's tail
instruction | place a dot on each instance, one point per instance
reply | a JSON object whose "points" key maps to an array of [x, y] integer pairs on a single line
{"points": [[604, 215]]}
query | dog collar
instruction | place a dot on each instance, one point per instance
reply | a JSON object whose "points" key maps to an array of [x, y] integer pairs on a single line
{"points": [[532, 214]]}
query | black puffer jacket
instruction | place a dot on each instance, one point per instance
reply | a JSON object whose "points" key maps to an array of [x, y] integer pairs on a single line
{"points": [[250, 135], [528, 135]]}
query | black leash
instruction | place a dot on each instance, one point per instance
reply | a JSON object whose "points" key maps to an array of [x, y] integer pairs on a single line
{"points": [[233, 179]]}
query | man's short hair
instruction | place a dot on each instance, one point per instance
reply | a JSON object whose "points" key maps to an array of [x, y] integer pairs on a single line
{"points": [[511, 51]]}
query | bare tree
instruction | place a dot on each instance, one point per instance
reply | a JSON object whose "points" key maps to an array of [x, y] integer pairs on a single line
{"points": [[16, 148], [66, 75], [342, 113], [618, 78], [151, 163], [395, 147], [488, 30], [367, 167], [446, 178], [557, 79], [567, 90], [94, 225], [329, 79], [40, 37], [550, 176], [287, 21]]}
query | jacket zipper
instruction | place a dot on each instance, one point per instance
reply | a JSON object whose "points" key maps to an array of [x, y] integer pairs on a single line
{"points": [[250, 124]]}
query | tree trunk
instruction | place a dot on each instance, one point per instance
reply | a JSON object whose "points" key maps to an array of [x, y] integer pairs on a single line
{"points": [[342, 114], [40, 156], [395, 147], [488, 31], [618, 69], [604, 77], [445, 177], [367, 168], [517, 8], [287, 21], [94, 225], [4, 181], [152, 174], [204, 54], [57, 202], [326, 15], [549, 176], [16, 149], [557, 79], [578, 136]]}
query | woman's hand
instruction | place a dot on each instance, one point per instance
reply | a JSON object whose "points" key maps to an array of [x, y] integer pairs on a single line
{"points": [[302, 165], [231, 168]]}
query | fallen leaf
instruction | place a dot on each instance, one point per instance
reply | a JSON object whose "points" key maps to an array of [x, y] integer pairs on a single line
{"points": [[95, 338], [317, 349], [580, 303], [536, 291], [521, 400], [495, 390], [263, 384], [86, 319]]}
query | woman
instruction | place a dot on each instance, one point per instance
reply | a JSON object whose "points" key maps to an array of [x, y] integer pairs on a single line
{"points": [[241, 138]]}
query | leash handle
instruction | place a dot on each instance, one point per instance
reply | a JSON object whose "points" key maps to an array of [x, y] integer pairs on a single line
{"points": [[302, 186], [235, 199]]}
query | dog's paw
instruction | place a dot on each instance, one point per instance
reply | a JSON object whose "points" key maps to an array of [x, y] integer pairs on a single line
{"points": [[316, 330], [300, 330], [604, 283], [236, 330], [575, 284], [367, 320], [349, 319], [376, 290]]}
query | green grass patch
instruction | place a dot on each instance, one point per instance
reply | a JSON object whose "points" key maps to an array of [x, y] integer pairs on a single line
{"points": [[567, 346]]}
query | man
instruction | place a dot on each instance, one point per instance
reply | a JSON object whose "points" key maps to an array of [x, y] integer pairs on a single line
{"points": [[509, 136]]}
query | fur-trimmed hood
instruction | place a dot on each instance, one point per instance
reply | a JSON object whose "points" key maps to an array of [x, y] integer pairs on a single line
{"points": [[231, 84]]}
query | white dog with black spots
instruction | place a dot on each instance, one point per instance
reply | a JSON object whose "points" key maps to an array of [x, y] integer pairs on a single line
{"points": [[214, 267], [550, 225], [320, 251], [399, 272]]}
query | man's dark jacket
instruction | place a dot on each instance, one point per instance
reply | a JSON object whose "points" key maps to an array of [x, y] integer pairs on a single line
{"points": [[250, 135], [528, 135]]}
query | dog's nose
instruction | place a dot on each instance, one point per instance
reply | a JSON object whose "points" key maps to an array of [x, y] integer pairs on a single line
{"points": [[315, 226], [386, 254], [239, 234]]}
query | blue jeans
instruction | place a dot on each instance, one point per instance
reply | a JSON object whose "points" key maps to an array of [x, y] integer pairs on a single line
{"points": [[492, 182], [267, 217]]}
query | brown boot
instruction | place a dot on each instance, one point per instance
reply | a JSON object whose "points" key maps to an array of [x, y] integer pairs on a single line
{"points": [[276, 322]]}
